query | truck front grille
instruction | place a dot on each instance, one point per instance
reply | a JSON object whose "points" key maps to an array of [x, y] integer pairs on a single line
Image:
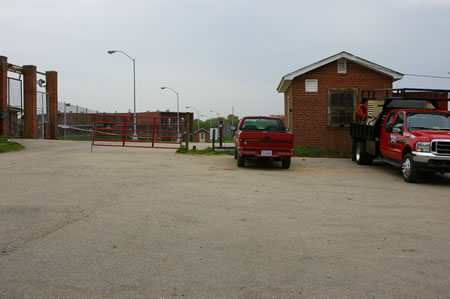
{"points": [[441, 147]]}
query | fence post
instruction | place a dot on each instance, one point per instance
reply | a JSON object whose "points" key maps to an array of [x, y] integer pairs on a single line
{"points": [[124, 132], [93, 131], [153, 131], [187, 132]]}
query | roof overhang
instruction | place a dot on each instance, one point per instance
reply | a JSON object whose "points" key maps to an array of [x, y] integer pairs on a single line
{"points": [[287, 79], [202, 130]]}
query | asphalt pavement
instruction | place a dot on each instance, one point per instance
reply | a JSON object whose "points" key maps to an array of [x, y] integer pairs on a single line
{"points": [[150, 223]]}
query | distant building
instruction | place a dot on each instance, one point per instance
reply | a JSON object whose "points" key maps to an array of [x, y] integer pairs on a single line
{"points": [[201, 136]]}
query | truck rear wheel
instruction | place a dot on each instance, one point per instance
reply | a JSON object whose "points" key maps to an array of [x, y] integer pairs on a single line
{"points": [[286, 162], [409, 169], [240, 160], [361, 155]]}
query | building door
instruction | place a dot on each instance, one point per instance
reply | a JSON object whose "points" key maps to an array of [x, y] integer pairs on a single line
{"points": [[202, 137]]}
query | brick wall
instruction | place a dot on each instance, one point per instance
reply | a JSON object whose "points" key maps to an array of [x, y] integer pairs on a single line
{"points": [[3, 95], [309, 117]]}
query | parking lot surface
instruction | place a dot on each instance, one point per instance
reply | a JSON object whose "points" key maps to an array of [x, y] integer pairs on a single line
{"points": [[122, 222]]}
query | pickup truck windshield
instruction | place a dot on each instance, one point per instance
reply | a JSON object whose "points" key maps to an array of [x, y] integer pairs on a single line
{"points": [[428, 121], [264, 124]]}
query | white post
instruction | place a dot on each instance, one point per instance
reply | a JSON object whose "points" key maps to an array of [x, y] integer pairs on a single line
{"points": [[178, 118], [134, 94]]}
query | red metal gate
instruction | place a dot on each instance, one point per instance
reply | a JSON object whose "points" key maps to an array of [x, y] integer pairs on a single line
{"points": [[126, 130]]}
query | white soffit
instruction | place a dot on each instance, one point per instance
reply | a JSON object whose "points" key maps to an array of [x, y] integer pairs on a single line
{"points": [[287, 79]]}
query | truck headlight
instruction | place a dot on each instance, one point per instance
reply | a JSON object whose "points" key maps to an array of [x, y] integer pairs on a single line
{"points": [[423, 147]]}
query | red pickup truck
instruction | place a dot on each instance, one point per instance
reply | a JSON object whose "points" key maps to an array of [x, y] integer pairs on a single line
{"points": [[262, 137], [416, 140]]}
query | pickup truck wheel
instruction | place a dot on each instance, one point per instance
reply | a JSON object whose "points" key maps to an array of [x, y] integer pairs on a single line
{"points": [[240, 160], [409, 169], [235, 154], [361, 155], [286, 163]]}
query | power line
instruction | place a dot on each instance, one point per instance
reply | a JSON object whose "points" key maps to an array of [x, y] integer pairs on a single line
{"points": [[427, 76], [414, 75]]}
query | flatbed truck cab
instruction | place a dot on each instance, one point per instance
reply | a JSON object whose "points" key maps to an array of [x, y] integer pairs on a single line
{"points": [[415, 139]]}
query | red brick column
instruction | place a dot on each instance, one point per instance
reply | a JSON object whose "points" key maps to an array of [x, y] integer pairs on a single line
{"points": [[3, 94], [30, 128], [52, 90]]}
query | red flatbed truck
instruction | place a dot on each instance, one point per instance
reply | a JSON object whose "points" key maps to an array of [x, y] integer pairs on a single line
{"points": [[410, 130]]}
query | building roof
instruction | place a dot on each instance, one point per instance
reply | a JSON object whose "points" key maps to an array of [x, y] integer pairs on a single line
{"points": [[201, 129], [287, 79]]}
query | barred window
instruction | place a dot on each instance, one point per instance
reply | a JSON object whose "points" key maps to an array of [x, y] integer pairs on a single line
{"points": [[341, 108]]}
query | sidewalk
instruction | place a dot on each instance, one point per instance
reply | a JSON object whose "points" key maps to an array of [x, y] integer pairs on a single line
{"points": [[206, 145]]}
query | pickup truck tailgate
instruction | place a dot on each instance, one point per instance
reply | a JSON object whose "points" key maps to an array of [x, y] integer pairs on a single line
{"points": [[261, 143]]}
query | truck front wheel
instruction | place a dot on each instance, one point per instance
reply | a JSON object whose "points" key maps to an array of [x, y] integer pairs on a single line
{"points": [[409, 169], [240, 160]]}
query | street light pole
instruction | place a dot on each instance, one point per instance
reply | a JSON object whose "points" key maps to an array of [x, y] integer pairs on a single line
{"points": [[232, 115], [178, 111], [209, 122], [215, 112], [134, 87], [198, 116]]}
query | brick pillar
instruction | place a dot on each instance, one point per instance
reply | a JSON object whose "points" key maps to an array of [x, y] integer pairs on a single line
{"points": [[52, 90], [3, 94], [30, 128]]}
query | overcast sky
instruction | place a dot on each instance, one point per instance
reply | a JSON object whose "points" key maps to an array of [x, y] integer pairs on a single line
{"points": [[216, 54]]}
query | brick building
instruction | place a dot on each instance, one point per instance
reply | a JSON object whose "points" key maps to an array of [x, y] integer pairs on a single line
{"points": [[201, 136], [320, 99]]}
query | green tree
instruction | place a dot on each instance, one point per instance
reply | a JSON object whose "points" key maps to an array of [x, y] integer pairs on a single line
{"points": [[209, 123], [232, 119]]}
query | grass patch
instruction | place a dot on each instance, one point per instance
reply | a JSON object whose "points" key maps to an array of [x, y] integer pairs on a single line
{"points": [[8, 146], [224, 140], [207, 151], [312, 152]]}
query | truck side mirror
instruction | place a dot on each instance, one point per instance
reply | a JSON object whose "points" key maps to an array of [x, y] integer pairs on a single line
{"points": [[233, 128], [398, 129], [388, 127]]}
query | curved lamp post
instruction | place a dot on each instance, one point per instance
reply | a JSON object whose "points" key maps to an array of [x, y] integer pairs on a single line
{"points": [[134, 86], [198, 115], [215, 112], [178, 110], [210, 121]]}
